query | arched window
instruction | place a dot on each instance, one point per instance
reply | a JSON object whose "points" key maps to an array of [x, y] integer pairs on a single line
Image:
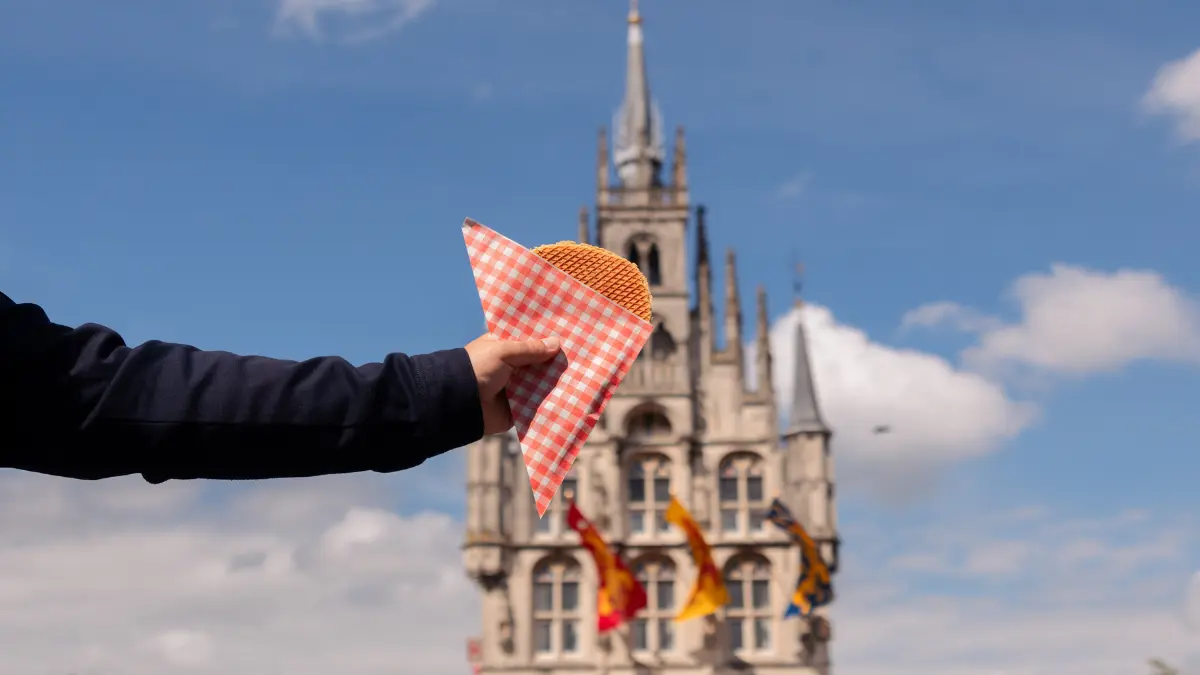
{"points": [[742, 494], [556, 612], [554, 523], [653, 272], [749, 616], [662, 343], [642, 251], [648, 489], [654, 628], [648, 424]]}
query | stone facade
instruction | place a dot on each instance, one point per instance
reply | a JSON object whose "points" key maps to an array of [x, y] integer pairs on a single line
{"points": [[682, 423]]}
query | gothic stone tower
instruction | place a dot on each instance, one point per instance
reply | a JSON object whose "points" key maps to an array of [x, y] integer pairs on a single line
{"points": [[684, 423]]}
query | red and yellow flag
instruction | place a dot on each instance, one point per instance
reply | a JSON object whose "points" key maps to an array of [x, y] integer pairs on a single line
{"points": [[620, 596], [708, 593]]}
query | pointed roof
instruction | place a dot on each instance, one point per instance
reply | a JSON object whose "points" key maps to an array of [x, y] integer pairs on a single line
{"points": [[805, 414], [701, 235], [638, 142]]}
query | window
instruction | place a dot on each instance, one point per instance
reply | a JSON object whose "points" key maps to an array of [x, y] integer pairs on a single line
{"points": [[648, 494], [643, 252], [742, 494], [556, 611], [654, 628], [653, 273], [662, 344], [554, 523], [648, 425], [748, 615]]}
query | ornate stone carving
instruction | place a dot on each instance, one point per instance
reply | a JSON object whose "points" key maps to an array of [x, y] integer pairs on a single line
{"points": [[600, 499], [700, 502], [505, 627], [814, 642], [821, 629], [492, 581]]}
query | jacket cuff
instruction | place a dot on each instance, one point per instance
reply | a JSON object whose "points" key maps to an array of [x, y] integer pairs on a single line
{"points": [[451, 412]]}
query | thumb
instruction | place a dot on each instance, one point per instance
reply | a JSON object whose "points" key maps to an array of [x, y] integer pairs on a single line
{"points": [[528, 352]]}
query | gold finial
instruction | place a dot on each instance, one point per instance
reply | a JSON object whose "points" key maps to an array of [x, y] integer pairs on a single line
{"points": [[634, 16]]}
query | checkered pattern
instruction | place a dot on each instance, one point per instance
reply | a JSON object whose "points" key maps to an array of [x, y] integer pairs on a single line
{"points": [[556, 405]]}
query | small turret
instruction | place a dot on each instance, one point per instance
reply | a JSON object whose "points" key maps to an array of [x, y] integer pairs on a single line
{"points": [[679, 168], [733, 310], [762, 354], [583, 225]]}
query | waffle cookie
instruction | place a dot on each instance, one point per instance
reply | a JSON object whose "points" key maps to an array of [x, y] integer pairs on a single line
{"points": [[602, 270]]}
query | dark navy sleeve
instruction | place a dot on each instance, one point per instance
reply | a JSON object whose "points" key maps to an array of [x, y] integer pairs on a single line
{"points": [[78, 402]]}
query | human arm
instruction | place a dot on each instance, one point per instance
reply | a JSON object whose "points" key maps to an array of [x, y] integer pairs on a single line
{"points": [[79, 402]]}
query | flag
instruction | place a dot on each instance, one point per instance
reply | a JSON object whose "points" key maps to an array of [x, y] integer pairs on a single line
{"points": [[709, 591], [814, 588], [620, 596]]}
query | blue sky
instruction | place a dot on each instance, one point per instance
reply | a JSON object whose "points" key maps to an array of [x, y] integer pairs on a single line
{"points": [[201, 172]]}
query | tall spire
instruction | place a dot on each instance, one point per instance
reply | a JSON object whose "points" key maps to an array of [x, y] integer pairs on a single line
{"points": [[638, 145], [805, 414]]}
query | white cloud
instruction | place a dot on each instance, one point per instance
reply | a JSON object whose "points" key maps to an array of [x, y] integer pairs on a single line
{"points": [[184, 648], [348, 20], [957, 638], [1175, 92], [948, 314], [936, 412], [121, 577], [1078, 321], [1191, 605], [1018, 602], [1072, 321], [796, 186], [998, 558]]}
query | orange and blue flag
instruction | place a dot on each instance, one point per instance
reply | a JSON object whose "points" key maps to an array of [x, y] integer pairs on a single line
{"points": [[814, 588], [620, 596], [709, 592]]}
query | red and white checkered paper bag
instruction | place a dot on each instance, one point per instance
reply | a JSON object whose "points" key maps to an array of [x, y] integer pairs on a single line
{"points": [[554, 405]]}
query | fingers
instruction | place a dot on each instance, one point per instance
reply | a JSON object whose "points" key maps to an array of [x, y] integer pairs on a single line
{"points": [[528, 352], [497, 416]]}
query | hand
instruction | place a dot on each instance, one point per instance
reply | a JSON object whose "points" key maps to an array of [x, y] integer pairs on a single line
{"points": [[494, 362]]}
